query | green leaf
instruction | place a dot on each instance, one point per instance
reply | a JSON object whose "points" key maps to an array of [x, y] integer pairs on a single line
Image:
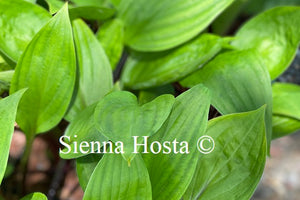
{"points": [[119, 117], [49, 74], [144, 70], [35, 196], [94, 69], [21, 20], [239, 82], [275, 35], [8, 110], [91, 12], [111, 36], [81, 129], [148, 95], [160, 25], [234, 168], [5, 79], [54, 5], [170, 174], [286, 100], [118, 180], [91, 2], [85, 167], [283, 126]]}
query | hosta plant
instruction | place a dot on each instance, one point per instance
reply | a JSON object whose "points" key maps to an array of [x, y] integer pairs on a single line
{"points": [[151, 99]]}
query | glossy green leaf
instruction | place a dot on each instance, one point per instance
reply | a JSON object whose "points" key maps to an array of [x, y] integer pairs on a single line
{"points": [[81, 129], [161, 25], [275, 35], [234, 168], [8, 110], [119, 181], [144, 70], [49, 74], [54, 5], [85, 167], [239, 82], [35, 196], [91, 12], [20, 21], [148, 95], [94, 69], [283, 126], [118, 116], [170, 174], [286, 100], [111, 36]]}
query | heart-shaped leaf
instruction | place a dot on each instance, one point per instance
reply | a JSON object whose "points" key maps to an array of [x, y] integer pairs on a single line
{"points": [[275, 35], [8, 111], [158, 25], [21, 20], [145, 70], [93, 68], [239, 82], [118, 180], [119, 117], [170, 174], [49, 75], [234, 168]]}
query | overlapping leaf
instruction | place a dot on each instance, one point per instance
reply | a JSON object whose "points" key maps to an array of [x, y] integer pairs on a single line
{"points": [[275, 35], [233, 169], [111, 36], [20, 21], [95, 76], [8, 111], [239, 82], [283, 125], [47, 69], [160, 25], [170, 174], [119, 117], [144, 70], [118, 180]]}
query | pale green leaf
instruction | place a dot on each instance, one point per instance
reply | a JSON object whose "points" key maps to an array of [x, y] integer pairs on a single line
{"points": [[85, 167], [118, 116], [114, 179], [160, 25], [47, 68], [286, 100], [239, 82], [35, 196], [95, 75], [275, 35], [54, 5], [19, 22], [283, 126], [111, 36], [8, 110], [144, 70], [170, 174], [81, 129], [234, 168]]}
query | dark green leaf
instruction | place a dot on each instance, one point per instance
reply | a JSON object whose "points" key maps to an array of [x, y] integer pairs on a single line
{"points": [[119, 181], [148, 95], [275, 35], [144, 70], [239, 82], [20, 21], [49, 74], [170, 174], [119, 117], [111, 36], [85, 167], [234, 168], [94, 69], [160, 25], [8, 110], [91, 12]]}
